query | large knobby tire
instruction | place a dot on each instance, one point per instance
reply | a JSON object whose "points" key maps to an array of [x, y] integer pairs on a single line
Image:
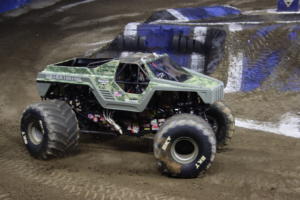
{"points": [[184, 146], [222, 122], [49, 129]]}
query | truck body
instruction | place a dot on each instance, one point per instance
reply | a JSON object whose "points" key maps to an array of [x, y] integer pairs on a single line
{"points": [[101, 76]]}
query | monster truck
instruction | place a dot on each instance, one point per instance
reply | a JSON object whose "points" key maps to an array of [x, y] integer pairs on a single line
{"points": [[141, 94]]}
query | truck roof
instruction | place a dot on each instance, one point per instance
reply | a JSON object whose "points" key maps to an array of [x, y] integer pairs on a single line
{"points": [[139, 57]]}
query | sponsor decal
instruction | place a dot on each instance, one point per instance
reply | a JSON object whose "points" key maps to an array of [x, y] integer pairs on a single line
{"points": [[147, 127], [133, 128], [161, 122], [24, 137], [42, 126], [63, 77], [95, 119], [118, 94], [166, 144], [154, 125], [103, 81], [132, 100], [200, 161]]}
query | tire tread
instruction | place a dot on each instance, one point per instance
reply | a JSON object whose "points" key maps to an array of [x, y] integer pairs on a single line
{"points": [[62, 127]]}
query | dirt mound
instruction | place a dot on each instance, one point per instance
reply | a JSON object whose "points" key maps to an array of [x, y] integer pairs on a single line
{"points": [[268, 58]]}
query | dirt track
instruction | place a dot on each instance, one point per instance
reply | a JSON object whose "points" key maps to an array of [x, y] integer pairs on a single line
{"points": [[257, 165]]}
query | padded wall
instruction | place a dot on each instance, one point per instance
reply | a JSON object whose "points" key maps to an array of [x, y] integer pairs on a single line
{"points": [[7, 5], [257, 52]]}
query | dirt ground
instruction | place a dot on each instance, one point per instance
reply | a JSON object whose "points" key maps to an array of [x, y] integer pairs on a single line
{"points": [[256, 165]]}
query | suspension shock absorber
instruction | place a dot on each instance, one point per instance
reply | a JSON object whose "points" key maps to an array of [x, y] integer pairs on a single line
{"points": [[108, 117]]}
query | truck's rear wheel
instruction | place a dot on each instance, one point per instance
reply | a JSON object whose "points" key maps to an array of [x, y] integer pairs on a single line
{"points": [[49, 129], [184, 146], [220, 118]]}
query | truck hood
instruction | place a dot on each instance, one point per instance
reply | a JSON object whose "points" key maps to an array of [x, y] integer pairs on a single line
{"points": [[202, 81], [209, 89]]}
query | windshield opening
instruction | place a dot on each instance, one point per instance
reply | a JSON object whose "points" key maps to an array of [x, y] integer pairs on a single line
{"points": [[164, 68]]}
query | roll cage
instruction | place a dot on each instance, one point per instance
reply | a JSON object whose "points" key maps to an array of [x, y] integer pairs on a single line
{"points": [[132, 78]]}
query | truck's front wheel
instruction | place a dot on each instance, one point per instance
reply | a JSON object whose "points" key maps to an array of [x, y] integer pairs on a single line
{"points": [[49, 129], [184, 146]]}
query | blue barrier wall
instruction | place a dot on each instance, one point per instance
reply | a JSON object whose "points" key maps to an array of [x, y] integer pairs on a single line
{"points": [[159, 39], [193, 13], [196, 47], [7, 5], [287, 5], [270, 60], [264, 67], [199, 13], [262, 55], [199, 48]]}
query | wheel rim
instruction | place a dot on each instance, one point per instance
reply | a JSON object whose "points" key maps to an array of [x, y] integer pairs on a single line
{"points": [[184, 150], [35, 134]]}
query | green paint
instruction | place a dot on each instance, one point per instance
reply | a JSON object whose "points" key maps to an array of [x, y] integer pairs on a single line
{"points": [[102, 79]]}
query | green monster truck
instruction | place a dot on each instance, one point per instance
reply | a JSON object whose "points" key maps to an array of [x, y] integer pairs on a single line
{"points": [[136, 95]]}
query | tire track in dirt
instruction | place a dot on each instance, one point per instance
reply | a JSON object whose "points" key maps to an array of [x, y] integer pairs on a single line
{"points": [[284, 185], [79, 186], [278, 176], [85, 187], [4, 195]]}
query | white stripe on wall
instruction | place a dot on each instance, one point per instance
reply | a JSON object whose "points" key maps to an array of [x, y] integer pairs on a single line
{"points": [[178, 15], [197, 62], [200, 33], [234, 27], [63, 8], [235, 72], [131, 29], [126, 53], [235, 68], [289, 125]]}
